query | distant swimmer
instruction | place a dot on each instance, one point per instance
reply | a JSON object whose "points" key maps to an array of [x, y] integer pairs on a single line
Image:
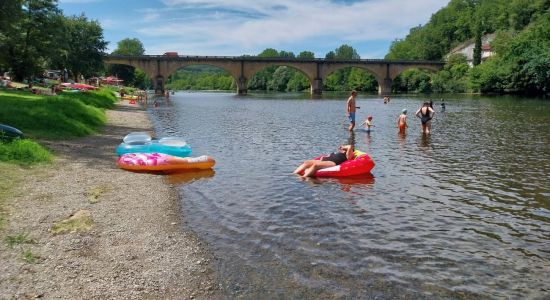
{"points": [[442, 105], [402, 121]]}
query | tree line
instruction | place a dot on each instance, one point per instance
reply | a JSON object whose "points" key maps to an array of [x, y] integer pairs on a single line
{"points": [[521, 46], [35, 35]]}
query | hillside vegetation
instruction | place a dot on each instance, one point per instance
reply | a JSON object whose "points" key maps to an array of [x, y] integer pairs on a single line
{"points": [[522, 46]]}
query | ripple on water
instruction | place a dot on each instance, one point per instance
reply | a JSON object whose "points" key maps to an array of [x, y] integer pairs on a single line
{"points": [[464, 212]]}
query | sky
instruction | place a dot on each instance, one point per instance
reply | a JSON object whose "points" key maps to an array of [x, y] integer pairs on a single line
{"points": [[247, 27]]}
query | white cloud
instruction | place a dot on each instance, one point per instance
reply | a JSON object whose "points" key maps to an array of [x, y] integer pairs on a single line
{"points": [[214, 25]]}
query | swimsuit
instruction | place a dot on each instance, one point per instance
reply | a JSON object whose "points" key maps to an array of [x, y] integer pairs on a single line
{"points": [[336, 158], [351, 117], [402, 127], [425, 118]]}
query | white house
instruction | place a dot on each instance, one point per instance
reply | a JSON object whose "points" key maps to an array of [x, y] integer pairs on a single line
{"points": [[467, 48]]}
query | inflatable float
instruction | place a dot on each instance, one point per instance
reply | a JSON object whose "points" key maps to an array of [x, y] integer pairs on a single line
{"points": [[361, 164], [163, 162], [9, 133], [170, 145]]}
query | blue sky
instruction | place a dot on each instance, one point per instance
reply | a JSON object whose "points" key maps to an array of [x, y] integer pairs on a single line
{"points": [[237, 27]]}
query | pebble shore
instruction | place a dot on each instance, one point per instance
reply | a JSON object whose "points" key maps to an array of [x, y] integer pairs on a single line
{"points": [[137, 246]]}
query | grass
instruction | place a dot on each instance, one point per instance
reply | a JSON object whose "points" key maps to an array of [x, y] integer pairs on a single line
{"points": [[22, 238], [55, 117], [94, 193], [24, 152], [30, 257], [80, 221]]}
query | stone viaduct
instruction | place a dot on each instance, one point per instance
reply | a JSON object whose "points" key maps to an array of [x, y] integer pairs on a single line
{"points": [[242, 68]]}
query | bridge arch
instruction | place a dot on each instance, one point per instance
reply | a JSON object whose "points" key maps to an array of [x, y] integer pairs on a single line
{"points": [[243, 68], [253, 69], [395, 71]]}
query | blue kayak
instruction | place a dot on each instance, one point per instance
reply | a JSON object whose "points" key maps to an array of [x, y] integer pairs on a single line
{"points": [[170, 146]]}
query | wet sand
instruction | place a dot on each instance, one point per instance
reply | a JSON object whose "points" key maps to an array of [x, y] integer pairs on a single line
{"points": [[137, 246]]}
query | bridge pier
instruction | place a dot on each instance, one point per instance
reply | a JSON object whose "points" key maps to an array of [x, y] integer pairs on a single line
{"points": [[384, 88], [242, 88], [158, 84], [317, 86]]}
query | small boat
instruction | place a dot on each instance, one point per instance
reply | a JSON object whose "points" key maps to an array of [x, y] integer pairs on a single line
{"points": [[163, 162]]}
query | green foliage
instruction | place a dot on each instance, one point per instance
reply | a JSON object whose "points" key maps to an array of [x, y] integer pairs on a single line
{"points": [[31, 36], [522, 46], [56, 117], [35, 35], [85, 46], [413, 81], [454, 76], [129, 74], [25, 152], [201, 77]]}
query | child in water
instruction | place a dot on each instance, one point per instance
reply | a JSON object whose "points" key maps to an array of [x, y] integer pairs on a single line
{"points": [[368, 123], [402, 121]]}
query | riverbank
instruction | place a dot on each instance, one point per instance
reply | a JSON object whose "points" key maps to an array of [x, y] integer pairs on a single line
{"points": [[132, 243]]}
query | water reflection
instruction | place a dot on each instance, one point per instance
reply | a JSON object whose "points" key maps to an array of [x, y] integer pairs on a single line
{"points": [[189, 176]]}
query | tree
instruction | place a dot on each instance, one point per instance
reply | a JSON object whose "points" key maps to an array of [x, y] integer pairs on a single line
{"points": [[10, 12], [32, 37], [129, 46], [306, 54], [477, 44], [339, 80], [85, 46]]}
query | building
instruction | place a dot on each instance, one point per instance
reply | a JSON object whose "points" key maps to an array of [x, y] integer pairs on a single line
{"points": [[467, 49]]}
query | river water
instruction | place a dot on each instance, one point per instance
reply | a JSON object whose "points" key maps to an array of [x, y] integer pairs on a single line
{"points": [[462, 213]]}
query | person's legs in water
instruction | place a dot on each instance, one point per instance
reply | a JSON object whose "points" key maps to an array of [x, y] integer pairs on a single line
{"points": [[319, 164], [306, 164], [351, 121]]}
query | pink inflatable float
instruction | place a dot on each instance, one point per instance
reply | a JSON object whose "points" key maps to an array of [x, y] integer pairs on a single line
{"points": [[163, 162]]}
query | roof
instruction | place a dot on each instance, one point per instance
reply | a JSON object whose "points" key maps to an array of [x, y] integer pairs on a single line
{"points": [[487, 38]]}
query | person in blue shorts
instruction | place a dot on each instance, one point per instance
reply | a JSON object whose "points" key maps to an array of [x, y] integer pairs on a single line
{"points": [[351, 108]]}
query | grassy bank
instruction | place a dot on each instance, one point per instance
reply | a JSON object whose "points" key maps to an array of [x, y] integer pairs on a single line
{"points": [[55, 117], [66, 116]]}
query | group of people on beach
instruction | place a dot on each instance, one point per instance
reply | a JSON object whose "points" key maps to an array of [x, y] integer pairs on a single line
{"points": [[346, 152]]}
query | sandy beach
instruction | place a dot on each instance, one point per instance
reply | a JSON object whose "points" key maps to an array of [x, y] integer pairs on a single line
{"points": [[134, 244]]}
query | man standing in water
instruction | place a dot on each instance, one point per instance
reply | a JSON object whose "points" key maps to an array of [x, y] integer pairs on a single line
{"points": [[351, 109]]}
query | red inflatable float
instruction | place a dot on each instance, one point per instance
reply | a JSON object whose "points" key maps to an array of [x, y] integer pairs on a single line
{"points": [[361, 164]]}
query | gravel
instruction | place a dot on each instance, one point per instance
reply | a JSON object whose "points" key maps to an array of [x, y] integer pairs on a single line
{"points": [[137, 246]]}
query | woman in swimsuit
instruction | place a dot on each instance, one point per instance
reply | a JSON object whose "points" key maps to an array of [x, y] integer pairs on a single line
{"points": [[345, 152], [426, 114]]}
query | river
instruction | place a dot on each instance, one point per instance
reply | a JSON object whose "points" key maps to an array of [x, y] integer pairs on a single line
{"points": [[462, 213]]}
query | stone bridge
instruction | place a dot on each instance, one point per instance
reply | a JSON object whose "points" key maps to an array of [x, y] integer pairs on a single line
{"points": [[242, 68]]}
